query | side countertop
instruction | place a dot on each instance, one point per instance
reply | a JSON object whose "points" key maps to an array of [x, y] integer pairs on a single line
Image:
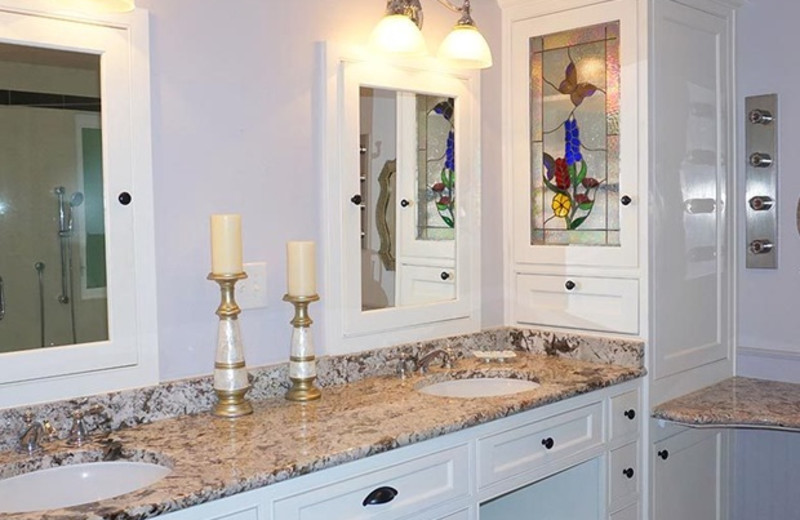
{"points": [[213, 458], [738, 402]]}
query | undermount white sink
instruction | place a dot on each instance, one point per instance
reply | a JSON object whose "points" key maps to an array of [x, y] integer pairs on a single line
{"points": [[478, 387], [66, 486]]}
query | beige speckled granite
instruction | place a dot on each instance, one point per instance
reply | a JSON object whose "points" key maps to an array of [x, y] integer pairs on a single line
{"points": [[195, 395], [213, 458], [737, 402]]}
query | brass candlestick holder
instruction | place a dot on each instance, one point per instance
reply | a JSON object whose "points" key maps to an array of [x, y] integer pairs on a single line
{"points": [[230, 372], [302, 361]]}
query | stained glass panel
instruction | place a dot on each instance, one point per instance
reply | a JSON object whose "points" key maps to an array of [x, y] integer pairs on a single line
{"points": [[436, 168], [574, 136]]}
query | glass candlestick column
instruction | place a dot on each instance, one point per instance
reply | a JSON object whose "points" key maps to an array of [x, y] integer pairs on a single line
{"points": [[231, 382], [302, 360]]}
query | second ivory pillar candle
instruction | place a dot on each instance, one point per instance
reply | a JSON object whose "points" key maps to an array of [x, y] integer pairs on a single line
{"points": [[301, 269]]}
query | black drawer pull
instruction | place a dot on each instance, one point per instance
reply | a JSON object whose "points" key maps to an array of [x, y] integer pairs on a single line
{"points": [[664, 454], [381, 495], [569, 285], [630, 414], [628, 472], [404, 203], [548, 443], [445, 275], [356, 199]]}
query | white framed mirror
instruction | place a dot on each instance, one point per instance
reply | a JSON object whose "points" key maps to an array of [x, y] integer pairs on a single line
{"points": [[401, 212], [77, 272]]}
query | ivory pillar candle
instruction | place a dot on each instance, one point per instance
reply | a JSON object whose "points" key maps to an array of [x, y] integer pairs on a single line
{"points": [[226, 244], [301, 269]]}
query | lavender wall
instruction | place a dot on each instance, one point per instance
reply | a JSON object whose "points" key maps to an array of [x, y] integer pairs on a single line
{"points": [[765, 473], [233, 131], [768, 299]]}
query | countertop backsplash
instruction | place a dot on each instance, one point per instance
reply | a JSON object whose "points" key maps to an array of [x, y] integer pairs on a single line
{"points": [[195, 395]]}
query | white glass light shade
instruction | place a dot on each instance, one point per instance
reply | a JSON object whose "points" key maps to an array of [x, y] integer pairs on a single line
{"points": [[397, 34], [102, 6], [466, 48]]}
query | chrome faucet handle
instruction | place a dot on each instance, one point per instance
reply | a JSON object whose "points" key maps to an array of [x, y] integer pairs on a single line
{"points": [[405, 366], [78, 434], [449, 358], [33, 433]]}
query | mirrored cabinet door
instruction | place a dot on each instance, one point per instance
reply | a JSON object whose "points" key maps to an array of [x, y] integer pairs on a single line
{"points": [[401, 161], [77, 285]]}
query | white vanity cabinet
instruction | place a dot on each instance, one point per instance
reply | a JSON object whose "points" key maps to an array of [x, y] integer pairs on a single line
{"points": [[659, 264], [688, 475], [669, 276], [545, 455], [573, 233]]}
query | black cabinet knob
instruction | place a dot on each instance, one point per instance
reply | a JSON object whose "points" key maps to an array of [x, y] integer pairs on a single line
{"points": [[445, 275], [630, 414], [356, 199], [124, 198], [569, 285], [664, 454], [381, 495], [628, 472], [625, 200], [404, 203], [548, 443]]}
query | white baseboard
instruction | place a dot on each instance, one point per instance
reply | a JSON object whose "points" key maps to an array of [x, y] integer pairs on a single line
{"points": [[762, 363]]}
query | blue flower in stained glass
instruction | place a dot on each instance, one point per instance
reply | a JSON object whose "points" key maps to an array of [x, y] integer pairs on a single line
{"points": [[572, 141], [450, 152]]}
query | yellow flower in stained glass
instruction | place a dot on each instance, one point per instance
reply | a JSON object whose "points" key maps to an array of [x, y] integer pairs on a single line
{"points": [[561, 205]]}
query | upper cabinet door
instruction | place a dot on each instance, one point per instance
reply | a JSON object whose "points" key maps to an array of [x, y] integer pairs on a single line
{"points": [[574, 142], [692, 175]]}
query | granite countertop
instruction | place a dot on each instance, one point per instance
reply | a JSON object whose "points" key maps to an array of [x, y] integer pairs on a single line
{"points": [[738, 402], [213, 458]]}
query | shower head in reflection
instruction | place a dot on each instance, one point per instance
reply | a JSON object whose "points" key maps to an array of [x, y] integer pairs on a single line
{"points": [[65, 209], [76, 199]]}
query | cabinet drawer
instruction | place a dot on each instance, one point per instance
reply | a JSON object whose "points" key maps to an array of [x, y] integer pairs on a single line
{"points": [[420, 284], [419, 483], [624, 475], [604, 304], [625, 415], [531, 446]]}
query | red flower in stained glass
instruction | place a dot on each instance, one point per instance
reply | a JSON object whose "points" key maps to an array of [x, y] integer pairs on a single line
{"points": [[562, 173], [582, 198], [589, 182]]}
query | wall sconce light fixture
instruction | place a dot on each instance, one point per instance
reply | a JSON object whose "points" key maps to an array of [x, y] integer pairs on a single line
{"points": [[399, 33]]}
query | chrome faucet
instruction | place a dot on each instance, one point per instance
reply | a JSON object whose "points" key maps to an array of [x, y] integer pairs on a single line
{"points": [[78, 434], [424, 362], [33, 433]]}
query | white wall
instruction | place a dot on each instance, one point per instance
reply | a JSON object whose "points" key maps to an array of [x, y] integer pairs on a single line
{"points": [[768, 40], [765, 470], [233, 131]]}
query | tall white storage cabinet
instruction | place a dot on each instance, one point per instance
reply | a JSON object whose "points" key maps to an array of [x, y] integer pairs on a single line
{"points": [[646, 248]]}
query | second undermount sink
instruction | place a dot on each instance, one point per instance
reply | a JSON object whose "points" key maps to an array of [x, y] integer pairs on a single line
{"points": [[478, 387], [65, 486]]}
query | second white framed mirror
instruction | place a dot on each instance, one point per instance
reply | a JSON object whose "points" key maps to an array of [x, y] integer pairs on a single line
{"points": [[401, 217]]}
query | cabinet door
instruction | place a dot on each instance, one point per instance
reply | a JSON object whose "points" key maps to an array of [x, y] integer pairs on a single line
{"points": [[691, 265], [573, 137], [686, 476]]}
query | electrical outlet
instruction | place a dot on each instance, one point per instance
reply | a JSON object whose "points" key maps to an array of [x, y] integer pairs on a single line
{"points": [[251, 293]]}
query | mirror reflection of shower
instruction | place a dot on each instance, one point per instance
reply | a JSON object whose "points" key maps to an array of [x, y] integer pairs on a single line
{"points": [[65, 226], [52, 200]]}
